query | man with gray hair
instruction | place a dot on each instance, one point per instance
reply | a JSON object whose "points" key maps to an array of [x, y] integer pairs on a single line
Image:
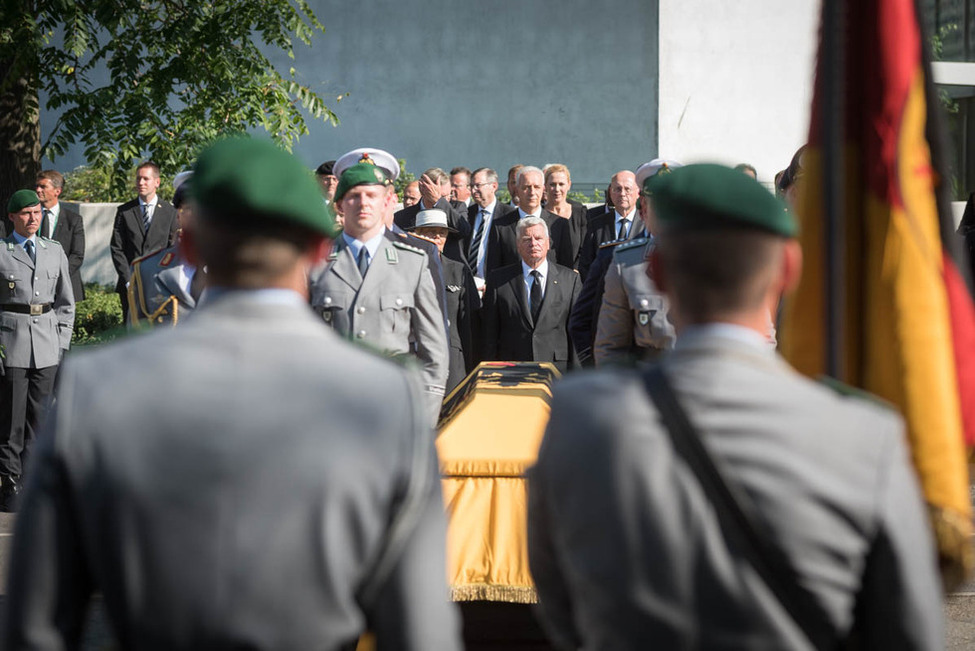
{"points": [[503, 241], [527, 304]]}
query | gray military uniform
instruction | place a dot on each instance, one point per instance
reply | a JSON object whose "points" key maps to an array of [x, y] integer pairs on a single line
{"points": [[633, 319], [394, 309], [829, 473], [157, 291], [35, 340], [246, 509]]}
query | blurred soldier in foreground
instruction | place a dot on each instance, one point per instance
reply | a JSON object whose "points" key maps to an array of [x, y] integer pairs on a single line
{"points": [[36, 321], [265, 501], [633, 546], [163, 286]]}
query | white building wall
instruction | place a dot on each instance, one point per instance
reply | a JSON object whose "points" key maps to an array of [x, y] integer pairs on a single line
{"points": [[736, 80]]}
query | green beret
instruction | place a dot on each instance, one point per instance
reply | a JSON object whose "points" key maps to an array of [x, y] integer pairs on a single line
{"points": [[249, 176], [22, 199], [706, 196], [360, 174]]}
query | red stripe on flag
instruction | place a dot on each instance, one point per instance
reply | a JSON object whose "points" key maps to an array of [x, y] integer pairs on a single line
{"points": [[962, 314]]}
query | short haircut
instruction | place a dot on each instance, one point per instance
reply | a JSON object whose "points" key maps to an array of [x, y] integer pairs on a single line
{"points": [[527, 222], [325, 169], [528, 169], [151, 165], [719, 272], [557, 167], [461, 170], [54, 176], [490, 175], [514, 169], [745, 167], [245, 251], [436, 175]]}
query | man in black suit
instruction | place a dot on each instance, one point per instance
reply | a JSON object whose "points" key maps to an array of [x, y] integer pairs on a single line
{"points": [[527, 305], [503, 239], [621, 223], [142, 226], [62, 224], [432, 195], [481, 216]]}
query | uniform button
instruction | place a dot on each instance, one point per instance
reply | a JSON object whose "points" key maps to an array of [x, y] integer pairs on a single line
{"points": [[34, 320], [644, 302], [36, 278], [37, 293], [361, 334], [328, 300], [399, 301], [360, 310]]}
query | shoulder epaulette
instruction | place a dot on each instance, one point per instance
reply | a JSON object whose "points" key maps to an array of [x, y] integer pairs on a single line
{"points": [[408, 247], [848, 391], [48, 239], [610, 243], [632, 244]]}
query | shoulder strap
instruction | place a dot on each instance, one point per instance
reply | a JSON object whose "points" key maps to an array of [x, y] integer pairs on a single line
{"points": [[738, 518]]}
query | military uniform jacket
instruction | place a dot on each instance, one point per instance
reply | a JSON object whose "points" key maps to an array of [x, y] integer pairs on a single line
{"points": [[155, 293], [35, 341], [394, 309], [829, 473], [633, 317], [245, 509]]}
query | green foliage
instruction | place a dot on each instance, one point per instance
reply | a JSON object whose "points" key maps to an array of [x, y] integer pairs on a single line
{"points": [[598, 196], [405, 178], [94, 185], [180, 74], [98, 318]]}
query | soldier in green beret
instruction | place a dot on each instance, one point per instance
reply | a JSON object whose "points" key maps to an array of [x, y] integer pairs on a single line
{"points": [[630, 547], [247, 480], [36, 320]]}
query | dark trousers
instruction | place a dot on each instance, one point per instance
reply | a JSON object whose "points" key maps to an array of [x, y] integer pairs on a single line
{"points": [[25, 394]]}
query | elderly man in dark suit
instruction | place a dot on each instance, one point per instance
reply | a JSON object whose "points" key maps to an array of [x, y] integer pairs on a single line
{"points": [[62, 224], [280, 489], [482, 214], [143, 225], [621, 223], [503, 239], [527, 305]]}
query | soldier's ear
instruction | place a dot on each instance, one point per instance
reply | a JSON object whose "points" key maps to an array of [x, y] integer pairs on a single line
{"points": [[319, 251], [655, 269], [188, 245], [791, 266]]}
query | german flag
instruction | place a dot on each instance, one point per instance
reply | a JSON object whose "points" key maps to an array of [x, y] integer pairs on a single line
{"points": [[882, 305]]}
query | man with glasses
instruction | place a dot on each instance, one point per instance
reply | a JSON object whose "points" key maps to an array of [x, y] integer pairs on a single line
{"points": [[481, 215]]}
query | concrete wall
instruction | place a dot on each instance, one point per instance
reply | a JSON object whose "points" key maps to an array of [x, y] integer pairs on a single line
{"points": [[736, 80], [458, 82]]}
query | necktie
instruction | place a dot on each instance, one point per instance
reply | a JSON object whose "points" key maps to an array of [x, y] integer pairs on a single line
{"points": [[535, 295], [476, 243], [623, 229], [363, 261], [146, 218], [47, 227], [29, 247]]}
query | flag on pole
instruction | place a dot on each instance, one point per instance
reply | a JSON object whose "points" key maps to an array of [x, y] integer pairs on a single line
{"points": [[904, 326]]}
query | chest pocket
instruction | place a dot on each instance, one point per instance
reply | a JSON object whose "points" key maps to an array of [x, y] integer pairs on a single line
{"points": [[397, 309], [332, 306], [13, 284]]}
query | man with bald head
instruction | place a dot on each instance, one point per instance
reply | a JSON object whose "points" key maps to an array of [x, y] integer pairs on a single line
{"points": [[502, 249], [620, 224]]}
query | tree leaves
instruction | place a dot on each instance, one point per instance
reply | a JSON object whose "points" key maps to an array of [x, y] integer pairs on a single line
{"points": [[160, 79]]}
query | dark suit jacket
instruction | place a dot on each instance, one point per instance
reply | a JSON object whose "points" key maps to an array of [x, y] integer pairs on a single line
{"points": [[128, 240], [503, 243], [602, 229], [70, 233], [455, 248], [508, 330], [500, 210], [463, 305], [572, 232]]}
